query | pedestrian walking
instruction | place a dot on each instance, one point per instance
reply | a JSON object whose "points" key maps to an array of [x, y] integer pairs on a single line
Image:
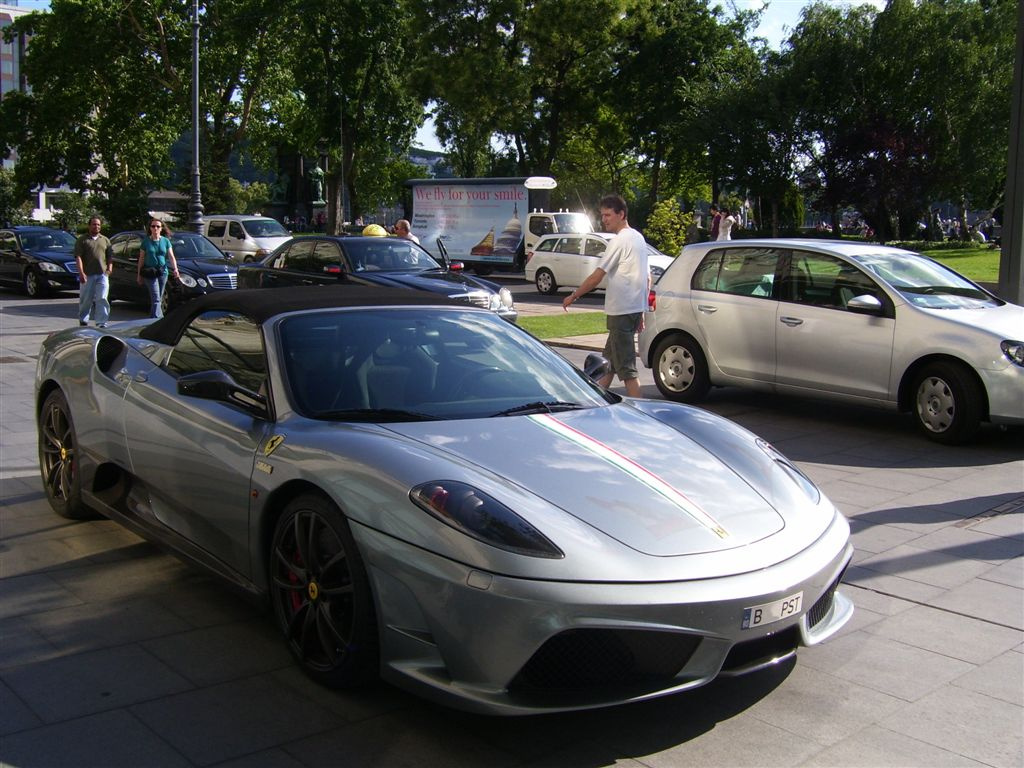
{"points": [[155, 255], [728, 221], [95, 260], [625, 299]]}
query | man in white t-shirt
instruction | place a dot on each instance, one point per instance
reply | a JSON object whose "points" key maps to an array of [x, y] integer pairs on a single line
{"points": [[403, 231], [625, 298]]}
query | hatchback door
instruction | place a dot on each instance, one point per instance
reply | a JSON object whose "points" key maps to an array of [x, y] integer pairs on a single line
{"points": [[822, 344]]}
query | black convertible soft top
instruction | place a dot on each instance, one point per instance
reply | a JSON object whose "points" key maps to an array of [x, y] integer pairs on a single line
{"points": [[261, 304]]}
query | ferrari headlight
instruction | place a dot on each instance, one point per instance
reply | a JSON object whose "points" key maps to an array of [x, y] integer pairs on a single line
{"points": [[49, 266], [803, 481], [187, 280], [1014, 351], [474, 513]]}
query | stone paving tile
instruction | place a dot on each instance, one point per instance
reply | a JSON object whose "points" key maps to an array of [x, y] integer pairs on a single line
{"points": [[107, 740], [1001, 678], [952, 718], [919, 520], [998, 603], [268, 758], [411, 741], [950, 634], [885, 665], [889, 478], [894, 586], [363, 703], [89, 627], [1010, 573], [233, 719], [967, 542], [846, 490], [221, 653], [92, 682], [17, 716], [878, 602], [926, 566], [143, 574], [878, 746], [819, 706], [872, 538], [33, 594], [36, 557], [20, 644]]}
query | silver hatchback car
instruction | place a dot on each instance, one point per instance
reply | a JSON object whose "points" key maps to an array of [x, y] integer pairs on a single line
{"points": [[853, 321]]}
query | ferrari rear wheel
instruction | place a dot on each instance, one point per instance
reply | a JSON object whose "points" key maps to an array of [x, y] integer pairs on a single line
{"points": [[321, 594], [58, 458]]}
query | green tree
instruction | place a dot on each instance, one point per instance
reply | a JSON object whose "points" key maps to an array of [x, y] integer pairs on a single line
{"points": [[71, 210], [12, 199], [667, 227]]}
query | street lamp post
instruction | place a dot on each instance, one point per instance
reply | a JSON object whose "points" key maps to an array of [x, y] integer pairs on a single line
{"points": [[195, 205]]}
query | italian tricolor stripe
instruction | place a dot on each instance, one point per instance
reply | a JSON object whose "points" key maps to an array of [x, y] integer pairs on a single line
{"points": [[645, 476]]}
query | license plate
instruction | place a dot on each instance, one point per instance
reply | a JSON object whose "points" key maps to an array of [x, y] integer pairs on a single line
{"points": [[768, 613]]}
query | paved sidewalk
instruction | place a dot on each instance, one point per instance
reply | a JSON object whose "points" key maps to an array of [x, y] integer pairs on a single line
{"points": [[115, 654]]}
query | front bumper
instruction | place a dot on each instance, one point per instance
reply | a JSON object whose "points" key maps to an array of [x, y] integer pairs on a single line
{"points": [[1004, 388], [498, 645]]}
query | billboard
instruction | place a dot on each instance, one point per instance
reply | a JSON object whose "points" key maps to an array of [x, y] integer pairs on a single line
{"points": [[476, 222]]}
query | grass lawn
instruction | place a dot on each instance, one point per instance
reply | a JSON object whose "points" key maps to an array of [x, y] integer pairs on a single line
{"points": [[564, 324]]}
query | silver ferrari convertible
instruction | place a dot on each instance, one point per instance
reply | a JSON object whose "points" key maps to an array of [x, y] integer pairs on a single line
{"points": [[427, 494]]}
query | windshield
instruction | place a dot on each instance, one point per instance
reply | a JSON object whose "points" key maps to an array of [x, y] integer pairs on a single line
{"points": [[388, 254], [413, 364], [573, 222], [265, 228], [926, 283], [54, 240], [194, 247]]}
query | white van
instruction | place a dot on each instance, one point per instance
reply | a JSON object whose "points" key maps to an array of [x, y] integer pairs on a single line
{"points": [[245, 238]]}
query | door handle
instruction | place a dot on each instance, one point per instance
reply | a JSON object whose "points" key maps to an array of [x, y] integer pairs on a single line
{"points": [[792, 322], [141, 377], [707, 309]]}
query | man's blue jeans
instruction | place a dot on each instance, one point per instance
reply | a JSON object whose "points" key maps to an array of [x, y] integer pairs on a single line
{"points": [[92, 294]]}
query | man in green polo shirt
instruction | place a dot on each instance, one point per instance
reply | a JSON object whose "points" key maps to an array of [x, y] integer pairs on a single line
{"points": [[95, 261]]}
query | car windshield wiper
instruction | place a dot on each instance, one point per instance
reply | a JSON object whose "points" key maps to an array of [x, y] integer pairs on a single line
{"points": [[539, 406], [374, 414]]}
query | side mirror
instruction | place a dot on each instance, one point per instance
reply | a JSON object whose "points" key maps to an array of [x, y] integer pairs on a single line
{"points": [[596, 366], [217, 385], [456, 266], [866, 303]]}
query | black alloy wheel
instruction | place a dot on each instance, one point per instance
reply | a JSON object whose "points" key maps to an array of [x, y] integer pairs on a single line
{"points": [[58, 458], [321, 594]]}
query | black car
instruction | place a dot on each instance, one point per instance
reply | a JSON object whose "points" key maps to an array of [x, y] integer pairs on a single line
{"points": [[202, 266], [39, 260], [385, 261]]}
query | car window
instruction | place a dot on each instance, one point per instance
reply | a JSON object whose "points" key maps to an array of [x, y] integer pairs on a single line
{"points": [[595, 246], [7, 241], [825, 281], [548, 244], [327, 257], [541, 225], [924, 282], [194, 247], [568, 245], [216, 229], [235, 230], [299, 257], [388, 254], [127, 247], [221, 341], [739, 271], [265, 228]]}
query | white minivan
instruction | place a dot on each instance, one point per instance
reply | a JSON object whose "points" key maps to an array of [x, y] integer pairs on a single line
{"points": [[245, 237]]}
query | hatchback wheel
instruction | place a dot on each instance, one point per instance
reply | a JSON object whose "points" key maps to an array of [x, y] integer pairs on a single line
{"points": [[545, 281], [321, 594], [58, 458], [680, 369], [947, 403], [33, 284]]}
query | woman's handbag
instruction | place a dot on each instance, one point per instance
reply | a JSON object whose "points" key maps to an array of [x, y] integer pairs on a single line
{"points": [[151, 273]]}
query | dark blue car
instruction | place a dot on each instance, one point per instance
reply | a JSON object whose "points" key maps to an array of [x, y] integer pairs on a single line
{"points": [[384, 261], [203, 268], [39, 260]]}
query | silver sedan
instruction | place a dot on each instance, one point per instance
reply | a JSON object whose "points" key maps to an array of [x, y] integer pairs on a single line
{"points": [[851, 321]]}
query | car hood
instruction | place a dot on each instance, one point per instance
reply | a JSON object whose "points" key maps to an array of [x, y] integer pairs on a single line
{"points": [[211, 265], [1006, 321], [437, 281], [635, 478], [59, 255]]}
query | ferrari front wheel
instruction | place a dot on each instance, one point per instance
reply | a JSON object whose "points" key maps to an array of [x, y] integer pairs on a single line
{"points": [[321, 594], [58, 458]]}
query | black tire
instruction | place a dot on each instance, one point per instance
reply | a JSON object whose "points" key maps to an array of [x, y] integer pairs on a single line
{"points": [[680, 369], [59, 459], [545, 281], [947, 403], [33, 284], [321, 594]]}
